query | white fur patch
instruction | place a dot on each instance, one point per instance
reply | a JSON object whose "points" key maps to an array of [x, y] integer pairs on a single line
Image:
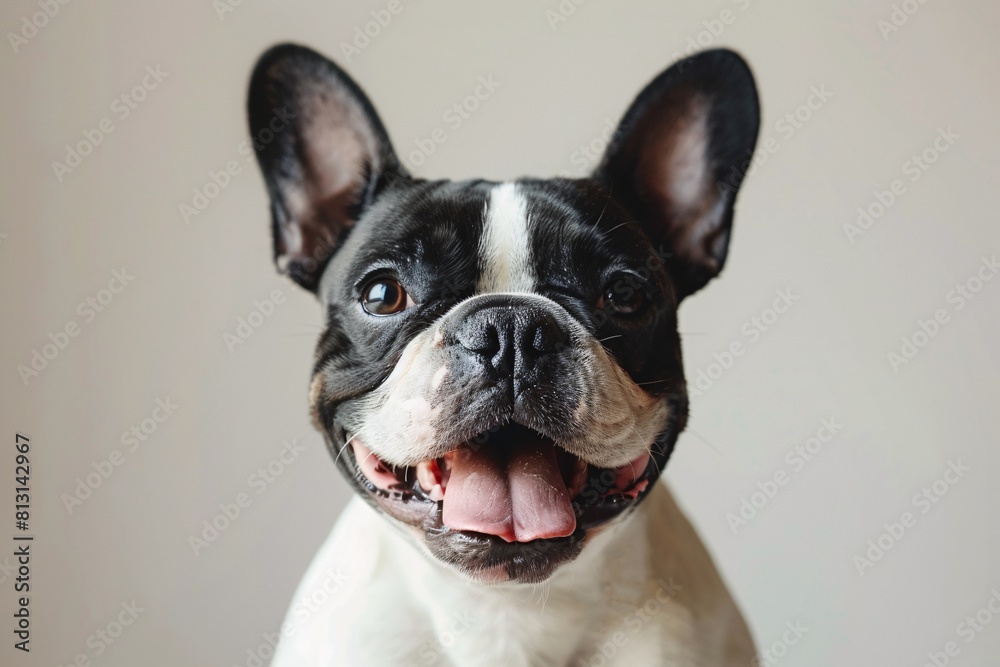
{"points": [[506, 243]]}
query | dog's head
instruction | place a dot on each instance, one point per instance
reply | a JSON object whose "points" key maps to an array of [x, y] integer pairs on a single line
{"points": [[501, 369]]}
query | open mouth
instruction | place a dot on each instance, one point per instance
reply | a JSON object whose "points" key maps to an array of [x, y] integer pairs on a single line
{"points": [[510, 483]]}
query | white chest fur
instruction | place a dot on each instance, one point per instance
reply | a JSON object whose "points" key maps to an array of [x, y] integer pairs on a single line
{"points": [[642, 593]]}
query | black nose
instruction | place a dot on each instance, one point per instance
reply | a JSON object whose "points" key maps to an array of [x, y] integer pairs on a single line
{"points": [[510, 336]]}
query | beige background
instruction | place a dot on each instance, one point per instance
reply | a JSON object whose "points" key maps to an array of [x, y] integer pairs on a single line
{"points": [[163, 335]]}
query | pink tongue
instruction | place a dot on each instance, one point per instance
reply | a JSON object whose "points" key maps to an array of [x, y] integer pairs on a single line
{"points": [[518, 497]]}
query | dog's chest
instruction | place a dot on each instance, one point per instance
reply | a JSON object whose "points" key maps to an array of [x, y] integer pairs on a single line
{"points": [[502, 631], [547, 628], [600, 609]]}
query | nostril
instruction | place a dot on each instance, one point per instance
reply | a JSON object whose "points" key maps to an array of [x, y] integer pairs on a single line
{"points": [[484, 340], [543, 337]]}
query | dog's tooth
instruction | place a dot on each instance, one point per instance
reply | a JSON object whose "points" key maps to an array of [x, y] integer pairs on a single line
{"points": [[578, 477], [437, 493], [444, 467], [427, 476]]}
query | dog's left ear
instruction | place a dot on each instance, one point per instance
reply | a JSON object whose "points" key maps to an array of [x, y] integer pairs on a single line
{"points": [[324, 153], [678, 158]]}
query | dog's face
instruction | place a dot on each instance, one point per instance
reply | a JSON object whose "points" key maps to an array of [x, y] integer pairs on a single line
{"points": [[501, 370]]}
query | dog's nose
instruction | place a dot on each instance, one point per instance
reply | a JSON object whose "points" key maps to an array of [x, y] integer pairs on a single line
{"points": [[510, 337]]}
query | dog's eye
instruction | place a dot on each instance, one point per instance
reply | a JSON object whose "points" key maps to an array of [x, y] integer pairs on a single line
{"points": [[622, 296], [385, 296]]}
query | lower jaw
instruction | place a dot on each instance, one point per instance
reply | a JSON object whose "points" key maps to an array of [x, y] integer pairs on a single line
{"points": [[487, 558]]}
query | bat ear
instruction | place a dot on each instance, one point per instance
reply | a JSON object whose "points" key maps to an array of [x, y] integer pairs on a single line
{"points": [[675, 160], [324, 153]]}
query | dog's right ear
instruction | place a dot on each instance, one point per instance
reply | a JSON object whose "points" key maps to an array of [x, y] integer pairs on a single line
{"points": [[324, 153]]}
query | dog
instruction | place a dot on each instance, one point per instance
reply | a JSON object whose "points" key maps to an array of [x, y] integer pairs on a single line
{"points": [[500, 379]]}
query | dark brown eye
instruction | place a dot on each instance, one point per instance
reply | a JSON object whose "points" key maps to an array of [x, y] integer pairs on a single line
{"points": [[623, 296], [384, 296]]}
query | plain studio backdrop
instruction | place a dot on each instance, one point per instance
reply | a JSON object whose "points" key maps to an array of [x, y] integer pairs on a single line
{"points": [[860, 294]]}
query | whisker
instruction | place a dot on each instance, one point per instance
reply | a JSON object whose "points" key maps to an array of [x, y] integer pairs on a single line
{"points": [[659, 470], [601, 216], [643, 384], [335, 460], [627, 222]]}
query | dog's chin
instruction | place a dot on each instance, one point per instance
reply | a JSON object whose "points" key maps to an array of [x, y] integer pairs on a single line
{"points": [[590, 497], [487, 559]]}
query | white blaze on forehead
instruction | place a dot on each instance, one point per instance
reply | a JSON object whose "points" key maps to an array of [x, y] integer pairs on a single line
{"points": [[505, 246]]}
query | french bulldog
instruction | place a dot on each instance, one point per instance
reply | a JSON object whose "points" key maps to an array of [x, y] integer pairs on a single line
{"points": [[500, 379]]}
